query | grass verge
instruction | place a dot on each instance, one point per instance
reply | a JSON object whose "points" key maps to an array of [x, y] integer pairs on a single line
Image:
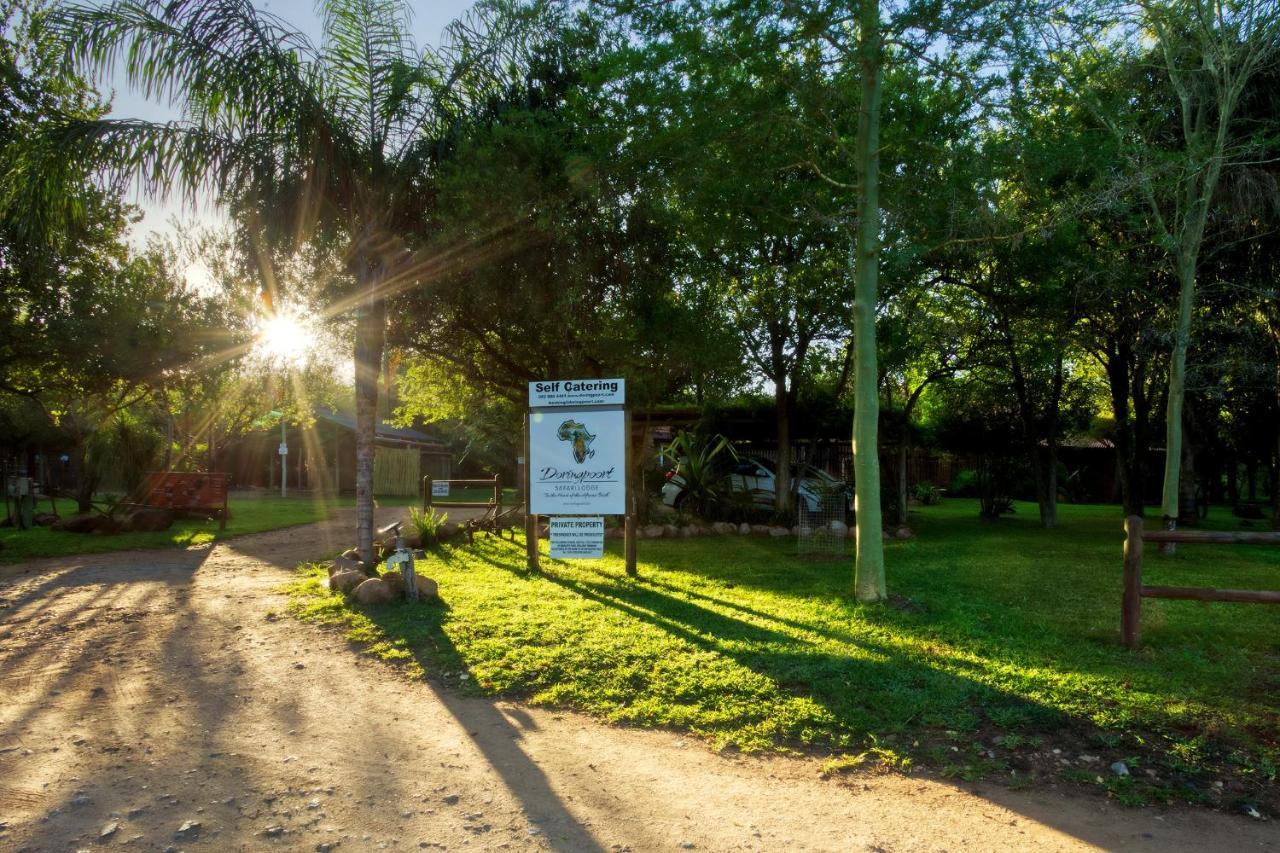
{"points": [[1002, 661]]}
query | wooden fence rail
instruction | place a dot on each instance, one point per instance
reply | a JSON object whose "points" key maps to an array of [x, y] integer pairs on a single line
{"points": [[1135, 591], [495, 483]]}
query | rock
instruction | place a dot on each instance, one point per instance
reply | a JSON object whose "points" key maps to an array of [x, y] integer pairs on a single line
{"points": [[273, 831], [744, 529], [779, 532], [108, 830], [653, 531], [670, 531], [395, 582], [1120, 768], [795, 531], [347, 581], [345, 564], [107, 527], [44, 519], [351, 554], [903, 533], [724, 528], [428, 590], [148, 519], [663, 510], [839, 529], [374, 591], [760, 530], [688, 530], [86, 522], [189, 829]]}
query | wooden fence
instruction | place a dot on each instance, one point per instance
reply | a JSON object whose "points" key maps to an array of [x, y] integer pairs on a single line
{"points": [[396, 471], [1135, 591]]}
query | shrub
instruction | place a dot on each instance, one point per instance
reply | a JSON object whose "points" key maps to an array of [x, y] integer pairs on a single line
{"points": [[928, 494], [703, 470], [964, 484], [428, 524]]}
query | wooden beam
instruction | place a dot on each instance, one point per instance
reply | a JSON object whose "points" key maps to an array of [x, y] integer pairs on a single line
{"points": [[1212, 537], [1195, 593]]}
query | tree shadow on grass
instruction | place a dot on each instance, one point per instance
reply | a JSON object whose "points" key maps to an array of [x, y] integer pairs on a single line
{"points": [[903, 671], [421, 626]]}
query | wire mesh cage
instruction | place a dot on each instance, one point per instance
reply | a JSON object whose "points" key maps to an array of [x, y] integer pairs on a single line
{"points": [[820, 517]]}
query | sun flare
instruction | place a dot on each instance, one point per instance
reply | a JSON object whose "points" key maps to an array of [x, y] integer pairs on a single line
{"points": [[285, 338]]}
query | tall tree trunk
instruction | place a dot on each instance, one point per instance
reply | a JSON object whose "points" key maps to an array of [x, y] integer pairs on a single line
{"points": [[370, 337], [904, 448], [1049, 507], [87, 482], [1117, 366], [1177, 386], [782, 480], [869, 581]]}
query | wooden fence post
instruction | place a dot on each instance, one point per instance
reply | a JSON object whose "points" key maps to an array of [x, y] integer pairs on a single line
{"points": [[629, 520], [530, 520], [1131, 604]]}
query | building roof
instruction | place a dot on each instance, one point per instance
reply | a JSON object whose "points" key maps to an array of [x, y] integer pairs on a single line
{"points": [[387, 434]]}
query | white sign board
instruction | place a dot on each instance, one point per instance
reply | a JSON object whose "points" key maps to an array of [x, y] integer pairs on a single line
{"points": [[439, 489], [578, 392], [577, 538], [577, 462], [283, 449]]}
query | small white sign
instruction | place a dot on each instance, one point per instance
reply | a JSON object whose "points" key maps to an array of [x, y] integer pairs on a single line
{"points": [[577, 538], [283, 449], [578, 392], [577, 462], [439, 489]]}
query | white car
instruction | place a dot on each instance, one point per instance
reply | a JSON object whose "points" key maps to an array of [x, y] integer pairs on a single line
{"points": [[756, 477]]}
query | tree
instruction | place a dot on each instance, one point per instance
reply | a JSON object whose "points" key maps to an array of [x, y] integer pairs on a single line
{"points": [[331, 142], [1206, 54]]}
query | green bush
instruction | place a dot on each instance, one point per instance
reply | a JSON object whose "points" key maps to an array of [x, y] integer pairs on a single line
{"points": [[428, 524], [964, 484], [928, 494]]}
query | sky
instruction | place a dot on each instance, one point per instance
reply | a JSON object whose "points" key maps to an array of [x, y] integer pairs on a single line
{"points": [[428, 20]]}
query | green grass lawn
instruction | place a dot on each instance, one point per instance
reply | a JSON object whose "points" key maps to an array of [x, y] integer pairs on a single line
{"points": [[1001, 646], [249, 514]]}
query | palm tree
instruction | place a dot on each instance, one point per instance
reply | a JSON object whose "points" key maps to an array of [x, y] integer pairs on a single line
{"points": [[332, 142]]}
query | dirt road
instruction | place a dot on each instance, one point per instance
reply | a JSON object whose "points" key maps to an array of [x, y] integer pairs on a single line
{"points": [[152, 701]]}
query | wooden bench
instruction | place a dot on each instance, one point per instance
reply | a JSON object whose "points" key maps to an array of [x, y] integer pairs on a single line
{"points": [[186, 494]]}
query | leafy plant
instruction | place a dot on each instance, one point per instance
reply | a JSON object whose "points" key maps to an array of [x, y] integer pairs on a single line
{"points": [[928, 494], [964, 484], [428, 524], [703, 470]]}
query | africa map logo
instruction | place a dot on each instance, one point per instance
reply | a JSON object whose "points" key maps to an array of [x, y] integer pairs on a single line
{"points": [[579, 438]]}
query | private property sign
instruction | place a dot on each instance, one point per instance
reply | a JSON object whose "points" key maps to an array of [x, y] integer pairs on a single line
{"points": [[577, 538]]}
